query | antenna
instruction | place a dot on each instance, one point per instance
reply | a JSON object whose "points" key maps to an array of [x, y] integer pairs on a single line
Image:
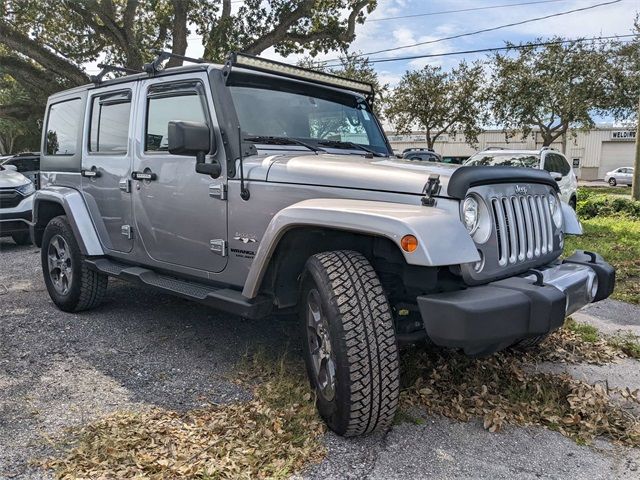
{"points": [[244, 193], [97, 79]]}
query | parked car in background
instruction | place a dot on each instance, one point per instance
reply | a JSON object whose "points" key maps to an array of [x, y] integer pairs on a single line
{"points": [[16, 201], [546, 158], [619, 176], [27, 163], [455, 160], [422, 154]]}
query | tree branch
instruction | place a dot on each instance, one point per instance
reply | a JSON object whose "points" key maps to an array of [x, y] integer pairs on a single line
{"points": [[21, 43], [279, 33]]}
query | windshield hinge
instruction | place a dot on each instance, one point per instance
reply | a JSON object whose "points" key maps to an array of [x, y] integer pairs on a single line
{"points": [[431, 189]]}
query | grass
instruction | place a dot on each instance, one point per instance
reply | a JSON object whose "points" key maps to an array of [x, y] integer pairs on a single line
{"points": [[587, 333], [584, 192], [617, 239]]}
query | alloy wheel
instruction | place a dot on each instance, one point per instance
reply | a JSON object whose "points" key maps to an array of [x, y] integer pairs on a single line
{"points": [[60, 266], [319, 341]]}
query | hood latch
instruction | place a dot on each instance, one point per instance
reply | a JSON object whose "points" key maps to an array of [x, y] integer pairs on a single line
{"points": [[431, 189]]}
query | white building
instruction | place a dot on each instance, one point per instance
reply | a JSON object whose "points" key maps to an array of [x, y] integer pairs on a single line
{"points": [[593, 152]]}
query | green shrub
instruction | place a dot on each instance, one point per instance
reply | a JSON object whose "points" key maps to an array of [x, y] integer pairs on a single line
{"points": [[598, 205]]}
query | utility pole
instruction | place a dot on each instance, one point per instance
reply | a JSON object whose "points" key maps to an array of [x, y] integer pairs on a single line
{"points": [[635, 189]]}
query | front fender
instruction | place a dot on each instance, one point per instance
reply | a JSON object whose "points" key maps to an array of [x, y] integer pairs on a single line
{"points": [[572, 225], [77, 214], [442, 239]]}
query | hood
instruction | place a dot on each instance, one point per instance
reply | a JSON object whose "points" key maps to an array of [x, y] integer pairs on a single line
{"points": [[358, 172], [12, 179]]}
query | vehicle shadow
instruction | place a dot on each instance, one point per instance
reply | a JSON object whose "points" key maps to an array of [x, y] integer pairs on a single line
{"points": [[174, 353], [8, 245]]}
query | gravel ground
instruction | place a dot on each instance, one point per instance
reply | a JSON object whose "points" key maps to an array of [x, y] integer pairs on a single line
{"points": [[141, 349]]}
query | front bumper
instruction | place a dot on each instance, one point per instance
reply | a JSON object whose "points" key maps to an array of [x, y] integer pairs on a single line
{"points": [[16, 219], [487, 318]]}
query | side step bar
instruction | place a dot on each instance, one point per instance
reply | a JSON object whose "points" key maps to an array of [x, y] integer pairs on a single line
{"points": [[225, 299]]}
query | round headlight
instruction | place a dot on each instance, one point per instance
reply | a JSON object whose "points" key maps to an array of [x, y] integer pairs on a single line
{"points": [[556, 210], [470, 214]]}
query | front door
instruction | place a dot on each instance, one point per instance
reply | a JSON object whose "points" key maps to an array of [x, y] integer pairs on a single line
{"points": [[106, 166], [179, 216]]}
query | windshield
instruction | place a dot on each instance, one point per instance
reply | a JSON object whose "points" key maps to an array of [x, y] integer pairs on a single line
{"points": [[334, 121], [504, 159]]}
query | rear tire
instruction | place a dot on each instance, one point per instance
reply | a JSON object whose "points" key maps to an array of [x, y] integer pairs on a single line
{"points": [[21, 238], [349, 342], [613, 182], [72, 286]]}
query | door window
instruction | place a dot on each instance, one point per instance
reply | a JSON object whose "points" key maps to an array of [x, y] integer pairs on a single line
{"points": [[556, 163], [109, 131], [62, 127], [165, 106]]}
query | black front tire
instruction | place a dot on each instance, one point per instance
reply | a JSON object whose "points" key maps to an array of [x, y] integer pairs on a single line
{"points": [[87, 287], [21, 238], [361, 343], [613, 182]]}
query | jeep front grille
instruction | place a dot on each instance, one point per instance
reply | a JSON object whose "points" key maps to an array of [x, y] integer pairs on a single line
{"points": [[523, 227]]}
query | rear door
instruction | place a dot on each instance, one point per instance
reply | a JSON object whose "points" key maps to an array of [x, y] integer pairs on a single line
{"points": [[106, 165]]}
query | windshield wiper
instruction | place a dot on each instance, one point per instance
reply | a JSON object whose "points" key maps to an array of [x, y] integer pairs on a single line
{"points": [[353, 146], [269, 140]]}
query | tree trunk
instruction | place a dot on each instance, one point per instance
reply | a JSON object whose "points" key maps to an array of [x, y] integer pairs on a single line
{"points": [[635, 188], [179, 31]]}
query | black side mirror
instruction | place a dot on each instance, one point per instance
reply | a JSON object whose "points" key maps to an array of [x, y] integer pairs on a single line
{"points": [[193, 138], [189, 138]]}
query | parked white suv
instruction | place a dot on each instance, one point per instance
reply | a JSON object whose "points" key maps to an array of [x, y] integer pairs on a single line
{"points": [[545, 159]]}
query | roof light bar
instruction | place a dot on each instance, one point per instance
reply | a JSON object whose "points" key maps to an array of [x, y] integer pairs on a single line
{"points": [[270, 66]]}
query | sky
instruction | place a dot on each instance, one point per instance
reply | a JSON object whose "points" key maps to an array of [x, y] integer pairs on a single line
{"points": [[377, 34]]}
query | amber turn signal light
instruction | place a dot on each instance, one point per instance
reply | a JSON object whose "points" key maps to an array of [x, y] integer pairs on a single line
{"points": [[409, 243]]}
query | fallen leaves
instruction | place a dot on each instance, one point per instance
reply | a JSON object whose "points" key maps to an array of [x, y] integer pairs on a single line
{"points": [[271, 436], [502, 390]]}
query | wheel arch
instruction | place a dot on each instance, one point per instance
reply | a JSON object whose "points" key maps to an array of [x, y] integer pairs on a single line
{"points": [[312, 226], [54, 201]]}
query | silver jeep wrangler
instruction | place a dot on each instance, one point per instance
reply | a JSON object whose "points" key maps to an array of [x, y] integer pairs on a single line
{"points": [[256, 187]]}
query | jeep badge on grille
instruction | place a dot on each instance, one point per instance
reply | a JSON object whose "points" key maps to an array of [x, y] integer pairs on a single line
{"points": [[521, 189]]}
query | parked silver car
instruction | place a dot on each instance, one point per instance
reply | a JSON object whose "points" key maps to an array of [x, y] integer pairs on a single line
{"points": [[16, 201], [258, 187], [620, 176]]}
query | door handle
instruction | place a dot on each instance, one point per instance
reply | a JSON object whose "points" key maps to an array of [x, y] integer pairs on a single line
{"points": [[93, 172], [146, 175]]}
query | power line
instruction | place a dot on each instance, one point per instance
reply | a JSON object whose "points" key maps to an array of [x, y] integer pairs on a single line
{"points": [[492, 49], [429, 14], [471, 9], [467, 34]]}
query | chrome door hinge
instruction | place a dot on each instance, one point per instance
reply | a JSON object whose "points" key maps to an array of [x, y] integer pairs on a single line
{"points": [[218, 246], [218, 191], [127, 231], [125, 185]]}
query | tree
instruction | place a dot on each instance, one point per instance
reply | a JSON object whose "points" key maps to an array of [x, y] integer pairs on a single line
{"points": [[58, 36], [17, 134], [553, 88], [440, 102], [355, 67]]}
